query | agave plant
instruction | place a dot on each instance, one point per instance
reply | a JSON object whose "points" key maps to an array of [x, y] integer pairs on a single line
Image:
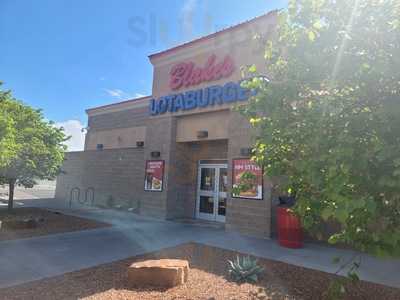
{"points": [[244, 269]]}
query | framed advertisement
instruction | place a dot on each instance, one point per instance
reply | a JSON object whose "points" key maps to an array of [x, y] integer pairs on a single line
{"points": [[154, 176], [247, 179]]}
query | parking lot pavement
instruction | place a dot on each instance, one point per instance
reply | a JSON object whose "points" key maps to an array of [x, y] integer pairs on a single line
{"points": [[44, 190]]}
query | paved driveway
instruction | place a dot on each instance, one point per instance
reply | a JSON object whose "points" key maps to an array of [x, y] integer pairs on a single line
{"points": [[34, 258]]}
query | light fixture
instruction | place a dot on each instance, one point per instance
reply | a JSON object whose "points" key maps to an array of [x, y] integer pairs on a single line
{"points": [[139, 144], [155, 154], [202, 134], [246, 151]]}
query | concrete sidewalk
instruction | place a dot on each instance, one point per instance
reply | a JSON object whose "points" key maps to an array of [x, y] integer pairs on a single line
{"points": [[34, 258]]}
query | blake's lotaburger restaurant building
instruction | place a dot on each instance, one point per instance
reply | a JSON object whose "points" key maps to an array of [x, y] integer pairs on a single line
{"points": [[177, 153]]}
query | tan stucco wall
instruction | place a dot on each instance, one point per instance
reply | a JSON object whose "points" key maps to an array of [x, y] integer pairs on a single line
{"points": [[215, 123], [116, 138]]}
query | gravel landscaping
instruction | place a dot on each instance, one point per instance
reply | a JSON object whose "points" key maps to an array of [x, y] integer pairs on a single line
{"points": [[208, 279], [44, 222]]}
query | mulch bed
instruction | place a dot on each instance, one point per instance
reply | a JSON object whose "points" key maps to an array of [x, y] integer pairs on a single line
{"points": [[46, 222], [208, 279]]}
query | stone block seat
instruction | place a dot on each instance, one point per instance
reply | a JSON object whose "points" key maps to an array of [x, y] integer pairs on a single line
{"points": [[161, 273]]}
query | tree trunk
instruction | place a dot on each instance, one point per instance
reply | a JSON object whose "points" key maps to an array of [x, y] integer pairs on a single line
{"points": [[11, 186]]}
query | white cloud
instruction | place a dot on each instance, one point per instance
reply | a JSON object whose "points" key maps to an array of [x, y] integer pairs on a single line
{"points": [[120, 94], [187, 13], [189, 6], [116, 93], [102, 78], [139, 95], [73, 128]]}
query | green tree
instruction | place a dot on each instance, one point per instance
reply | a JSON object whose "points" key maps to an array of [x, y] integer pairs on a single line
{"points": [[328, 120], [31, 147]]}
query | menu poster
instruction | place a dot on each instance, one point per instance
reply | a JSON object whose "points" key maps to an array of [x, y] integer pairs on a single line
{"points": [[247, 179], [154, 175]]}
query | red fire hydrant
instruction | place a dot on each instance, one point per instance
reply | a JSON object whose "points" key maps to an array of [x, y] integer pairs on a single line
{"points": [[290, 231]]}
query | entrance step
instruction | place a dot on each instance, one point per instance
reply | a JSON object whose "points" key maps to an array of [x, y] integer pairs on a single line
{"points": [[200, 223]]}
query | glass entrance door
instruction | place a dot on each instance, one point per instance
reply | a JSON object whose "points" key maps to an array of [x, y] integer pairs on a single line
{"points": [[212, 192]]}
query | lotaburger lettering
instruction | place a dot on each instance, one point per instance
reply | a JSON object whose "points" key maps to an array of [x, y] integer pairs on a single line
{"points": [[209, 96]]}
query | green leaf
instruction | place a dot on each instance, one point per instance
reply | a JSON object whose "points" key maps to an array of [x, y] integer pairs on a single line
{"points": [[31, 147], [333, 239], [311, 35], [342, 215], [317, 24], [330, 123], [253, 69], [326, 213], [353, 277], [371, 205], [253, 278], [365, 66]]}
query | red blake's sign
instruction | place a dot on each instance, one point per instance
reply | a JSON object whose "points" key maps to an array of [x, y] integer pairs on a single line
{"points": [[187, 74]]}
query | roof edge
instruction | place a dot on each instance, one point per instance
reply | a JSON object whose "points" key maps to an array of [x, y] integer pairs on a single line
{"points": [[209, 36], [88, 110]]}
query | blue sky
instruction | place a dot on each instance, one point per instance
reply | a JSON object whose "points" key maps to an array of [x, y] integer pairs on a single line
{"points": [[66, 56]]}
